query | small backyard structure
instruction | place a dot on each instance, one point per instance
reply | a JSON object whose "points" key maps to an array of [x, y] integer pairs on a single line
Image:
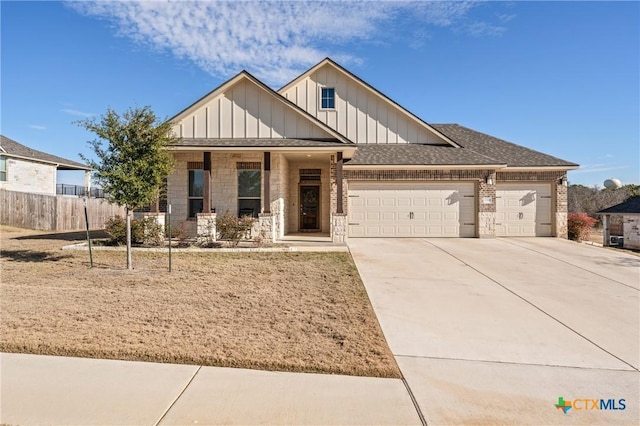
{"points": [[630, 212]]}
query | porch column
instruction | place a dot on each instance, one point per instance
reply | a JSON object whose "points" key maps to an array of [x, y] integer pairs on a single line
{"points": [[206, 183], [339, 183], [87, 183], [606, 241], [267, 182]]}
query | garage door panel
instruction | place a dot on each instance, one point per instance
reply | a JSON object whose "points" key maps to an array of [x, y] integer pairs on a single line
{"points": [[439, 209], [523, 210]]}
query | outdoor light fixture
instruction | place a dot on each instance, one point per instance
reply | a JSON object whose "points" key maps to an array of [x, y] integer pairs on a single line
{"points": [[563, 181], [489, 180]]}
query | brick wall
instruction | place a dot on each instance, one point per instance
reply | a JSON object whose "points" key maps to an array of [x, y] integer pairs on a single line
{"points": [[418, 175]]}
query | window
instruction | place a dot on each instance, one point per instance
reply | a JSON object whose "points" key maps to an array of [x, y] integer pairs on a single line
{"points": [[196, 185], [3, 169], [249, 188], [328, 98], [310, 175]]}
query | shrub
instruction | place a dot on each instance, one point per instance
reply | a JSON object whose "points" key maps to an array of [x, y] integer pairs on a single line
{"points": [[143, 231], [147, 231], [579, 226], [233, 228], [116, 227]]}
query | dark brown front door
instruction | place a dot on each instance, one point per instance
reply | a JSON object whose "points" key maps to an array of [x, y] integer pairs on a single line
{"points": [[310, 208]]}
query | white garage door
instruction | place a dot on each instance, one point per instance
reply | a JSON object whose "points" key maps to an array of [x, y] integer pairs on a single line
{"points": [[523, 210], [392, 209]]}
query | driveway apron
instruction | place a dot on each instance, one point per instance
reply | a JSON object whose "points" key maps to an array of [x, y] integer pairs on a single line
{"points": [[496, 330]]}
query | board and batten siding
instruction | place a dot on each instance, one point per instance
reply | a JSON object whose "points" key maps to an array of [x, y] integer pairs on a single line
{"points": [[360, 114], [246, 110]]}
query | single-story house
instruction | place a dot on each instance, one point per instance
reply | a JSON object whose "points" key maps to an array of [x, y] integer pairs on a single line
{"points": [[328, 153], [24, 169], [630, 212]]}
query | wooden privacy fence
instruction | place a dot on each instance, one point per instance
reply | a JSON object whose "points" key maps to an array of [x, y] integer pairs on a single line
{"points": [[54, 212]]}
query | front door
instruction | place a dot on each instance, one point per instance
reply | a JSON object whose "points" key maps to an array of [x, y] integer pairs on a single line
{"points": [[310, 208]]}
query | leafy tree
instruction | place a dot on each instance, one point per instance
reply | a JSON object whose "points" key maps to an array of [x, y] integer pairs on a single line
{"points": [[132, 158], [583, 199]]}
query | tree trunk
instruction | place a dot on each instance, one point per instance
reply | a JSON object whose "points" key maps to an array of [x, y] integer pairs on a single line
{"points": [[129, 264]]}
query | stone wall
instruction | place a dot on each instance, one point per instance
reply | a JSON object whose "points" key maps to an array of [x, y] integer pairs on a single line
{"points": [[338, 227], [224, 185], [631, 231], [30, 176]]}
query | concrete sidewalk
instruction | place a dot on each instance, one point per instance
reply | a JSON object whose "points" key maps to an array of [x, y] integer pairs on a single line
{"points": [[38, 389]]}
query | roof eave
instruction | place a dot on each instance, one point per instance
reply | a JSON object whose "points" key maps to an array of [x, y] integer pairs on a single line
{"points": [[348, 150], [539, 168], [423, 166], [58, 165]]}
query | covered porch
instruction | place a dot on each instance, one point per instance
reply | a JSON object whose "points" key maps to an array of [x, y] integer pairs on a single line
{"points": [[289, 190]]}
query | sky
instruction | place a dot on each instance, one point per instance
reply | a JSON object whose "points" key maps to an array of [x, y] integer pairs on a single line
{"points": [[558, 77]]}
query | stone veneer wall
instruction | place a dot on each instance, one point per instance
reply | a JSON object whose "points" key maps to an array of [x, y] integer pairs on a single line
{"points": [[224, 186], [279, 192], [29, 176], [631, 231]]}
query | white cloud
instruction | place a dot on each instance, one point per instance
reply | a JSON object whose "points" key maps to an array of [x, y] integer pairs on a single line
{"points": [[77, 113], [276, 40], [37, 127]]}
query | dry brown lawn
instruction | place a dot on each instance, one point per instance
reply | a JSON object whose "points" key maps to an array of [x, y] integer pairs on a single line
{"points": [[276, 311]]}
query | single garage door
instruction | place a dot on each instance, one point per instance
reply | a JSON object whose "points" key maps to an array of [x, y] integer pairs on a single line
{"points": [[523, 210], [411, 209]]}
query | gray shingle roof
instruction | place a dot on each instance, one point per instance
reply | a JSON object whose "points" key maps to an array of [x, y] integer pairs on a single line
{"points": [[417, 154], [502, 151], [632, 205], [476, 149], [11, 147], [266, 143]]}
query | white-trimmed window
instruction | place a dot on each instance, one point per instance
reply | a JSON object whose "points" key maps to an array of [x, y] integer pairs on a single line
{"points": [[3, 169], [327, 98]]}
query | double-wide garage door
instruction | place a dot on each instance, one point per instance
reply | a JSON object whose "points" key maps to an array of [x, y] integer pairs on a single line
{"points": [[397, 209], [523, 210]]}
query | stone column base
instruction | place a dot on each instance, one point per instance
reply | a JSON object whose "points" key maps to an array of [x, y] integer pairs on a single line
{"points": [[159, 219], [206, 227], [486, 225], [267, 227], [338, 227], [562, 230]]}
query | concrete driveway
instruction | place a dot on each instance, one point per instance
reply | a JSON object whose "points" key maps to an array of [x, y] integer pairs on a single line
{"points": [[494, 331]]}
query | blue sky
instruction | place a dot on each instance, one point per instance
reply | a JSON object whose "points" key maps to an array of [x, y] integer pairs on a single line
{"points": [[559, 77]]}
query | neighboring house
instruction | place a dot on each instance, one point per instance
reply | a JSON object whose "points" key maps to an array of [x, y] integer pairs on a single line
{"points": [[24, 169], [329, 153], [630, 212]]}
